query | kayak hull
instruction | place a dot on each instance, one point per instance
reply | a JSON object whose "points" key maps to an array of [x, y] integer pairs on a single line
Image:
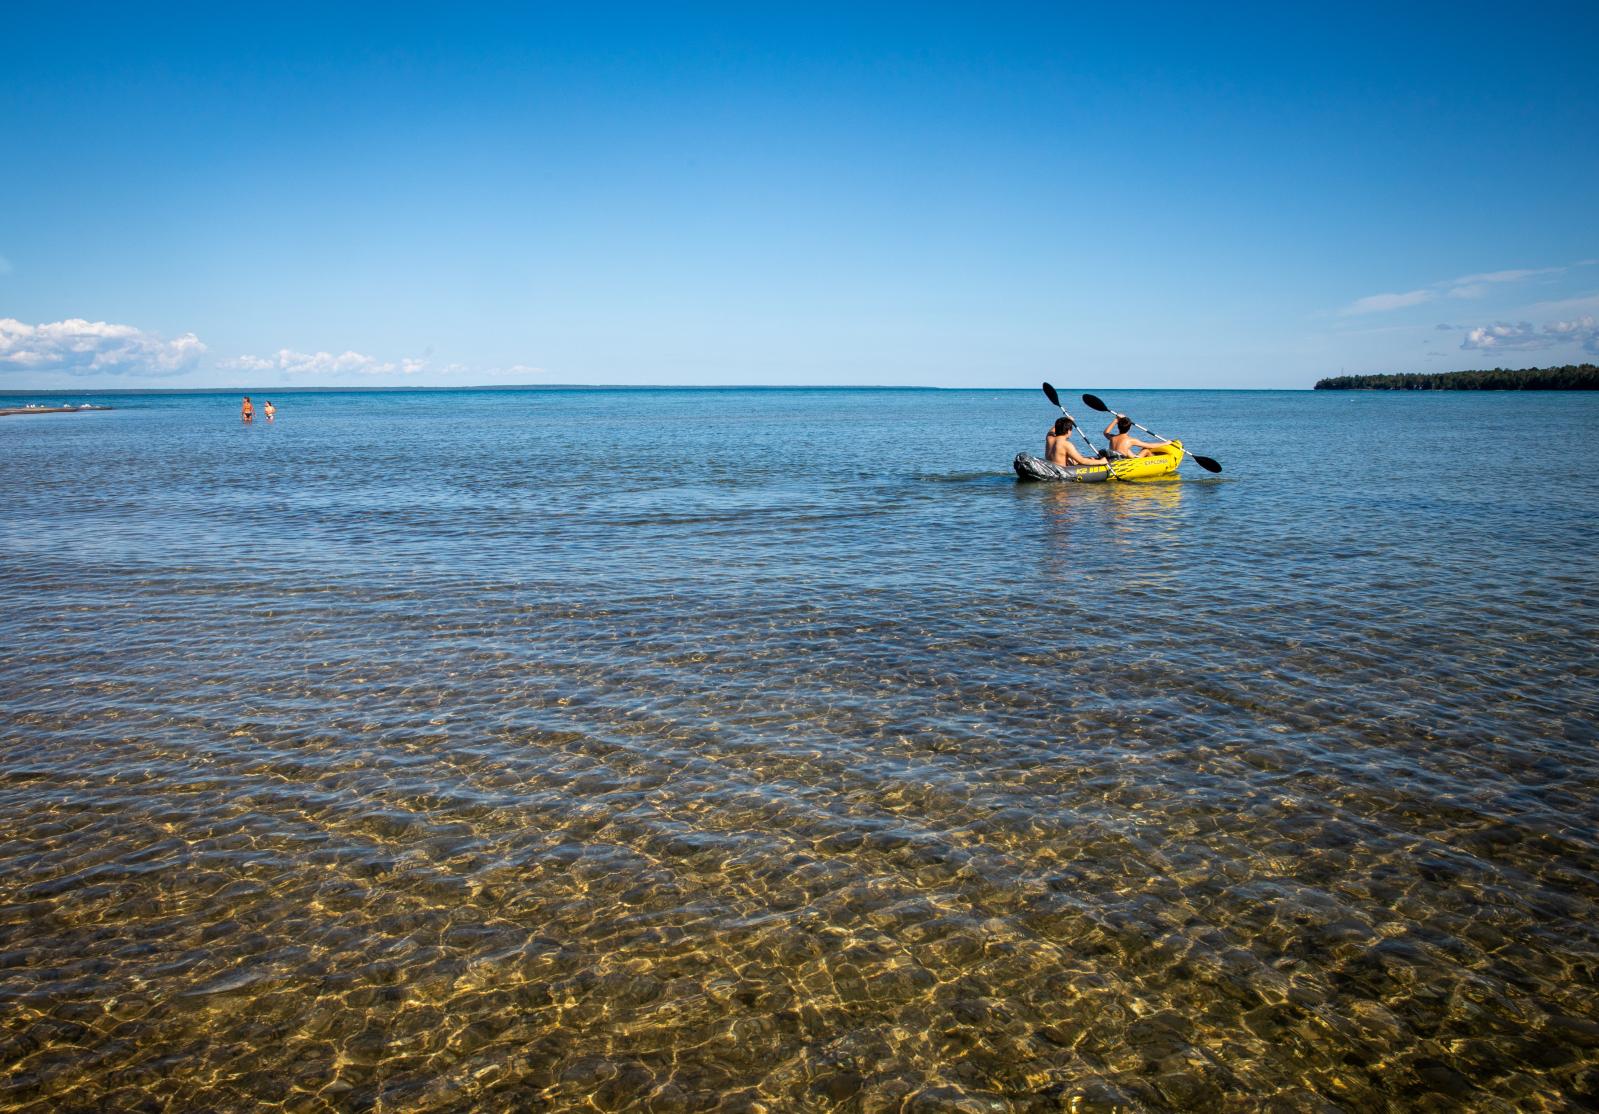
{"points": [[1031, 468], [1163, 462]]}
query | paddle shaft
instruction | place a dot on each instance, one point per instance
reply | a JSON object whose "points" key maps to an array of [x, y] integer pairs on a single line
{"points": [[1094, 402], [1087, 444], [1099, 454], [1049, 393], [1203, 462], [1147, 430], [1112, 461]]}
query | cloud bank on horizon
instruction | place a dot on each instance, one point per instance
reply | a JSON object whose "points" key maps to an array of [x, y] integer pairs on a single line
{"points": [[1575, 335], [289, 362], [1524, 336], [82, 348]]}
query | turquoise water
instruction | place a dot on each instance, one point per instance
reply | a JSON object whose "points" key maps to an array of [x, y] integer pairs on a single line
{"points": [[738, 749]]}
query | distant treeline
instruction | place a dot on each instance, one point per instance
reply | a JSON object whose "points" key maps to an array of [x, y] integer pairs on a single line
{"points": [[1572, 377]]}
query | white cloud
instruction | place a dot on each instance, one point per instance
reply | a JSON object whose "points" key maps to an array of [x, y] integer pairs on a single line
{"points": [[1477, 286], [1378, 303], [1464, 287], [1524, 336], [289, 362], [1505, 276], [79, 347]]}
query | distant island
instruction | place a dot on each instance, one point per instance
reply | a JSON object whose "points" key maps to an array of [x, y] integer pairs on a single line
{"points": [[1571, 377]]}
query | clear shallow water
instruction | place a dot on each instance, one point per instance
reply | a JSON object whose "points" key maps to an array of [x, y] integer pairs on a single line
{"points": [[728, 750]]}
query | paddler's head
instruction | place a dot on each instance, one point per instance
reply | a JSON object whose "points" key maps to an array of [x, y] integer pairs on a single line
{"points": [[1063, 426], [1123, 423]]}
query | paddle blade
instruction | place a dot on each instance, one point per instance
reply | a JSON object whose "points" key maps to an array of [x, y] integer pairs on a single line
{"points": [[1093, 403], [1049, 393], [1205, 462]]}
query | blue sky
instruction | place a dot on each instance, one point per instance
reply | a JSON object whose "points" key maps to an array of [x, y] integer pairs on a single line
{"points": [[975, 195]]}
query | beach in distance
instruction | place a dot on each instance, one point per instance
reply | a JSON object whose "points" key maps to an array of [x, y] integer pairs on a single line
{"points": [[775, 749]]}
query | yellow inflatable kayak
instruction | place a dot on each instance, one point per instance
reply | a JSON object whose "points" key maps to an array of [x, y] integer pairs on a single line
{"points": [[1164, 462]]}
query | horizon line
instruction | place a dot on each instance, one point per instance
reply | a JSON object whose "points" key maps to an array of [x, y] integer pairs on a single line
{"points": [[582, 387]]}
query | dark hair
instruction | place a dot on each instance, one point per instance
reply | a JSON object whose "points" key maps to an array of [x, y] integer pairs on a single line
{"points": [[1123, 424], [1063, 426]]}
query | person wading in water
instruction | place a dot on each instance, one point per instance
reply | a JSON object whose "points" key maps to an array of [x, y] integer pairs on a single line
{"points": [[1058, 447]]}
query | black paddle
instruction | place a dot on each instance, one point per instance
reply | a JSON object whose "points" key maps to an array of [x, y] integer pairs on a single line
{"points": [[1205, 462], [1049, 393]]}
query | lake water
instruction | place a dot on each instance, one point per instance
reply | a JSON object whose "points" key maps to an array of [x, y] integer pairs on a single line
{"points": [[775, 749]]}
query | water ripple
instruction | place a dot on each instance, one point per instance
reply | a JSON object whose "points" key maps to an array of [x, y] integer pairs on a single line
{"points": [[405, 756]]}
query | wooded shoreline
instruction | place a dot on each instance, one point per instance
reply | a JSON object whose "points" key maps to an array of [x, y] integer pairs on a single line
{"points": [[1570, 377]]}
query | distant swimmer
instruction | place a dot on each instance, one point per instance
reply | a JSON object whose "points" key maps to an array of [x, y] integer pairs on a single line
{"points": [[271, 410], [1058, 447], [247, 412], [1124, 445]]}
